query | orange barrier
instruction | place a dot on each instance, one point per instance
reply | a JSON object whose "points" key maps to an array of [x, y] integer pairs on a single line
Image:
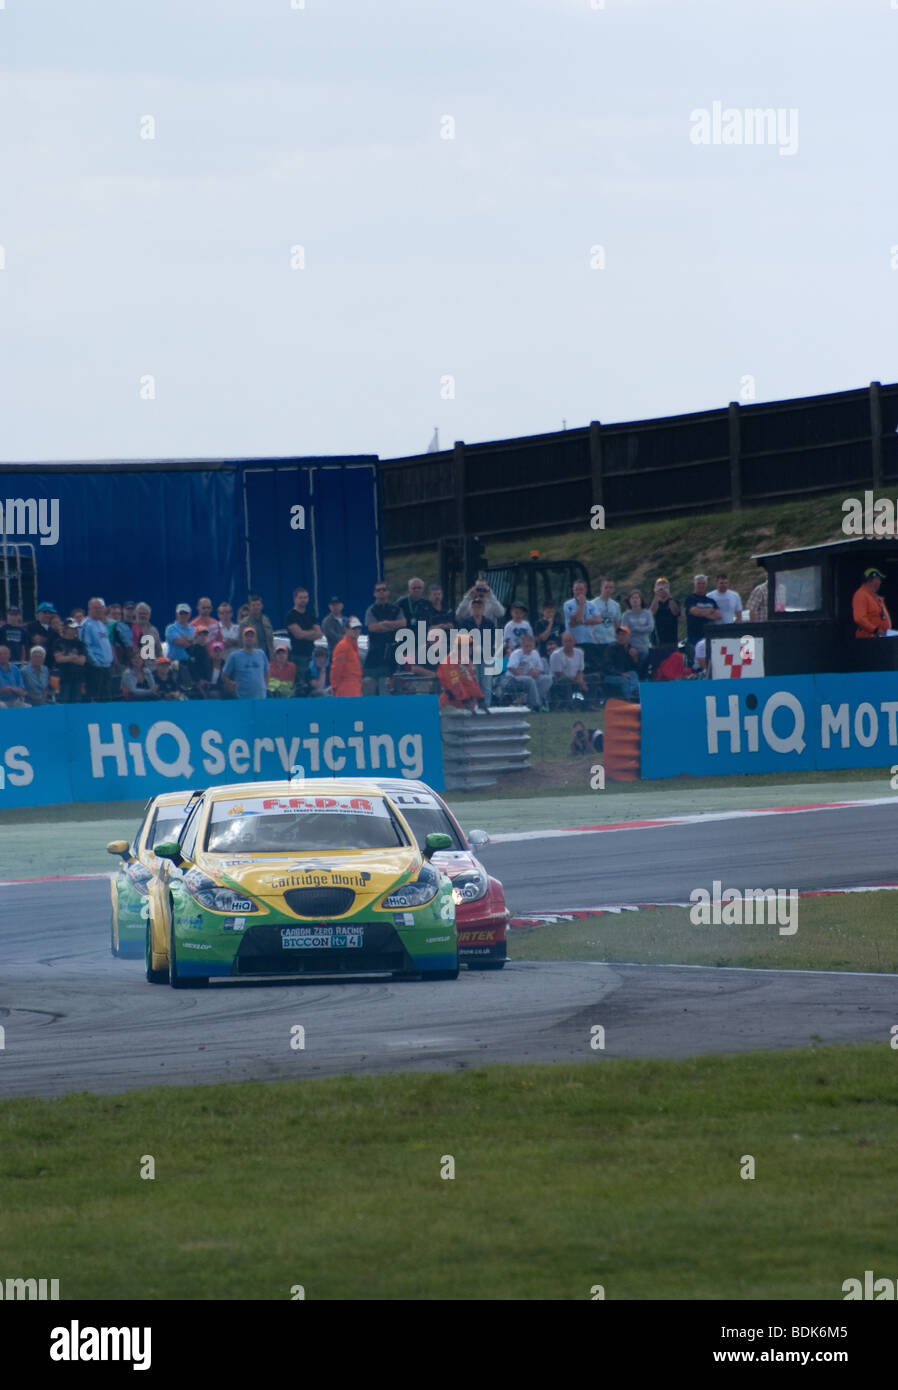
{"points": [[623, 741]]}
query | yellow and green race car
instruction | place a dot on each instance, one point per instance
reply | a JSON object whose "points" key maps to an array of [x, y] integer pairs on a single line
{"points": [[130, 908], [315, 878]]}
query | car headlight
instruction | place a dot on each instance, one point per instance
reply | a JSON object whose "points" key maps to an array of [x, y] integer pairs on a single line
{"points": [[139, 877], [415, 894], [208, 894], [471, 885]]}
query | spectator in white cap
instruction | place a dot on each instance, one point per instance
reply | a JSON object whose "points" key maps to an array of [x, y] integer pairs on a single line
{"points": [[179, 635]]}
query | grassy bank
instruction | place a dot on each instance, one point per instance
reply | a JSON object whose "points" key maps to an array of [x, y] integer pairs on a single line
{"points": [[839, 931], [677, 547], [624, 1174]]}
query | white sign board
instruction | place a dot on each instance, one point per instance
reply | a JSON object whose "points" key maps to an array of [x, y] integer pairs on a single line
{"points": [[736, 657]]}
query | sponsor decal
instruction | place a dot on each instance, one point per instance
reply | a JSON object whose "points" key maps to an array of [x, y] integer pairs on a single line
{"points": [[429, 939], [404, 919], [234, 924], [193, 921], [323, 879], [468, 938], [323, 938], [197, 945], [414, 799], [340, 805]]}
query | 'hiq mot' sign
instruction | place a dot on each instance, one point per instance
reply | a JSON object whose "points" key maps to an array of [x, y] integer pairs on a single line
{"points": [[822, 721]]}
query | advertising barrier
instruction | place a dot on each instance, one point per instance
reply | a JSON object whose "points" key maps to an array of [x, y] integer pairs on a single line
{"points": [[114, 752], [777, 724]]}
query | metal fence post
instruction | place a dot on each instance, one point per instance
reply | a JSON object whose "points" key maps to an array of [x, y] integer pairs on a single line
{"points": [[876, 433], [458, 484], [735, 456], [595, 462]]}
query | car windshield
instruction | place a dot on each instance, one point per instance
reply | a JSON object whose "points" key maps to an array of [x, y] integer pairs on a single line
{"points": [[298, 824], [425, 814], [165, 825], [430, 820]]}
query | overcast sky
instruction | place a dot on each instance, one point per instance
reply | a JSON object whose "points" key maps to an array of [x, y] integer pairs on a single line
{"points": [[572, 253]]}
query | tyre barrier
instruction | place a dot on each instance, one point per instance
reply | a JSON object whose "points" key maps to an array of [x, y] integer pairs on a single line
{"points": [[623, 741]]}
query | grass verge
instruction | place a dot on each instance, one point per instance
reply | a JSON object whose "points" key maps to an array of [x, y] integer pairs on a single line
{"points": [[839, 931], [619, 1173]]}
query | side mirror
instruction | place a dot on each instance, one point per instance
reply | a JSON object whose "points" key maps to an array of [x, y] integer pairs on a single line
{"points": [[119, 847], [436, 841], [476, 838], [168, 849]]}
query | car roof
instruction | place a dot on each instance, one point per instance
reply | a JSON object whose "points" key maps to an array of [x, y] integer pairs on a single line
{"points": [[172, 799], [403, 784], [340, 786]]}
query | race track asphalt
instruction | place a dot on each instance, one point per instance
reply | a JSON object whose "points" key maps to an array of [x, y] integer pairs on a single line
{"points": [[75, 1019], [847, 847]]}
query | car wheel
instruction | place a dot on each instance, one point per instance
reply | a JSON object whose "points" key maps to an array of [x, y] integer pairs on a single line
{"points": [[154, 977], [174, 979]]}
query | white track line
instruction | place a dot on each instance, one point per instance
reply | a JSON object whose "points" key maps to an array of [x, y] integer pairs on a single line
{"points": [[698, 817], [742, 969]]}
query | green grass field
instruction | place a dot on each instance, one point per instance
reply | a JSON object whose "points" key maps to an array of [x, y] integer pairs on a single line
{"points": [[850, 931], [619, 1173]]}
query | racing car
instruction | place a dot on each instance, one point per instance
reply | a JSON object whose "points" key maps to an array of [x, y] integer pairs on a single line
{"points": [[481, 917], [162, 820], [300, 878]]}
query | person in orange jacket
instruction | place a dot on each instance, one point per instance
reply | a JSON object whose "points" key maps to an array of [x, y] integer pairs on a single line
{"points": [[346, 665], [867, 608], [460, 686]]}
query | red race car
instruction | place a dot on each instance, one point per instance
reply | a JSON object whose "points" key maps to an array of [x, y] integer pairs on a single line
{"points": [[481, 917]]}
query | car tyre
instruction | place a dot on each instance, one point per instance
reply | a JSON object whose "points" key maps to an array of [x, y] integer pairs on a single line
{"points": [[154, 977], [174, 979]]}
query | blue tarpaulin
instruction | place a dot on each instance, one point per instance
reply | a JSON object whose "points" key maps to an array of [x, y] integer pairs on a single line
{"points": [[171, 532]]}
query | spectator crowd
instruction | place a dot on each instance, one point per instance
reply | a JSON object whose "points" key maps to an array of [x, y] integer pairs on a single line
{"points": [[591, 649]]}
